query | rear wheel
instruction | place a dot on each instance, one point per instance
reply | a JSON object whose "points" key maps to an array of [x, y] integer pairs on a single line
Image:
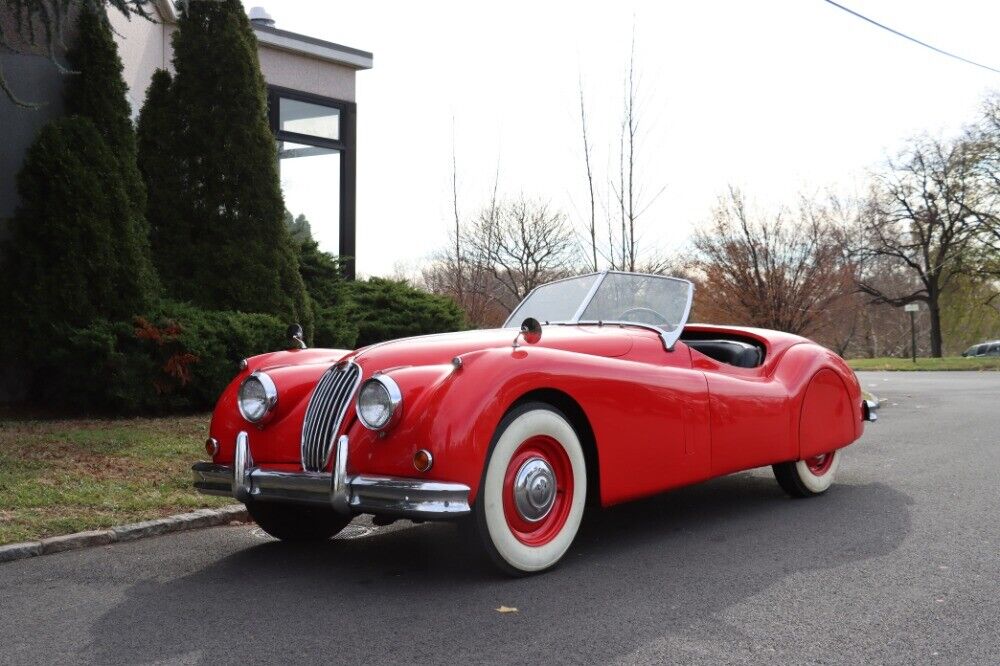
{"points": [[805, 478], [533, 491], [290, 522]]}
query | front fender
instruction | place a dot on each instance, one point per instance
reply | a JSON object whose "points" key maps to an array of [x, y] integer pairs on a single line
{"points": [[639, 414]]}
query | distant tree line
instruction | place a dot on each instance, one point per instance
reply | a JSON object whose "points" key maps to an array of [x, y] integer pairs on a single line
{"points": [[926, 230]]}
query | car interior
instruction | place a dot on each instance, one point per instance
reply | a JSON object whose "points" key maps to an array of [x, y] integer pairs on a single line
{"points": [[726, 348]]}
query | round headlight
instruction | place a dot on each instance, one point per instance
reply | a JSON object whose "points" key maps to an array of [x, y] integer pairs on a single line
{"points": [[257, 397], [380, 403]]}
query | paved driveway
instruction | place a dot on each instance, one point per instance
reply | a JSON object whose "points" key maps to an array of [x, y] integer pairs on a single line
{"points": [[899, 563]]}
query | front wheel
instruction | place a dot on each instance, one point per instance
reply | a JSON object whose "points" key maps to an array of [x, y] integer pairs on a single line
{"points": [[809, 477], [290, 522], [533, 491]]}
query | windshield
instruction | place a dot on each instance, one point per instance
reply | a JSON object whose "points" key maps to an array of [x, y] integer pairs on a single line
{"points": [[611, 297]]}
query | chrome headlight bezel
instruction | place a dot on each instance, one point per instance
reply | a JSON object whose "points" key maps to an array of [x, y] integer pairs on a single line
{"points": [[395, 400], [270, 396]]}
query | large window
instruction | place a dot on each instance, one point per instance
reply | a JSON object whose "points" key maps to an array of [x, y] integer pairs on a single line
{"points": [[316, 163]]}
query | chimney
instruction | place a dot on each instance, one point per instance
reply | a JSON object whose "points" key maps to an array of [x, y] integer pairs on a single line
{"points": [[259, 16]]}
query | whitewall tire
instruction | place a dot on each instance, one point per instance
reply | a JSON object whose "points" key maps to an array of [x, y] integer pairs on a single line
{"points": [[809, 477], [533, 491]]}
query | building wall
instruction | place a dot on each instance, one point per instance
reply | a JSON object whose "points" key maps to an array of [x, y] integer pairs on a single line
{"points": [[34, 79], [319, 77], [144, 47]]}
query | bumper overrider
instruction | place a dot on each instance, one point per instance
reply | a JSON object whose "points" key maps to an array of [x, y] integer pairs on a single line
{"points": [[347, 494]]}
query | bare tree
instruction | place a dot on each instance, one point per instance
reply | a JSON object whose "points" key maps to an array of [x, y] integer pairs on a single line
{"points": [[590, 178], [771, 272], [625, 200], [927, 212], [522, 244]]}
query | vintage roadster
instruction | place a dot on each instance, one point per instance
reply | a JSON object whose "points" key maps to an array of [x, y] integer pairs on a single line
{"points": [[596, 391]]}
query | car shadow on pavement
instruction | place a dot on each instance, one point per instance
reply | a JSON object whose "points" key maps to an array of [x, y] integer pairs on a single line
{"points": [[635, 572]]}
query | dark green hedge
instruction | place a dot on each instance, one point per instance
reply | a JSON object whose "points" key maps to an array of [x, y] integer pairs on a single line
{"points": [[382, 309], [180, 359]]}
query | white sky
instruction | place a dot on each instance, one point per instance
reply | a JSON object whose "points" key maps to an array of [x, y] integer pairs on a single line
{"points": [[775, 96]]}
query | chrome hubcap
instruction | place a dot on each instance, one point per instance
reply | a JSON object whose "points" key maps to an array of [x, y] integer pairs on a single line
{"points": [[534, 489]]}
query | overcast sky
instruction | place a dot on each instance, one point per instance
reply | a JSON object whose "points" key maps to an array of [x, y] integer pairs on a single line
{"points": [[774, 96]]}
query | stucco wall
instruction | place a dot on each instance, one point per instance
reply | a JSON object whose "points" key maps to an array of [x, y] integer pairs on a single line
{"points": [[144, 47], [319, 77]]}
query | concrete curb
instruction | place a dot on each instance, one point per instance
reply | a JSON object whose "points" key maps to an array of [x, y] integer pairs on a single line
{"points": [[180, 522]]}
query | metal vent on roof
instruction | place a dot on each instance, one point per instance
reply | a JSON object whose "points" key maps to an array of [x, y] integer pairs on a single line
{"points": [[260, 16]]}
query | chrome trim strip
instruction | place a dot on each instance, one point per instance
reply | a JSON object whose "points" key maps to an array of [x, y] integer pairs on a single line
{"points": [[590, 296], [384, 495], [242, 467], [317, 439], [339, 492], [408, 497]]}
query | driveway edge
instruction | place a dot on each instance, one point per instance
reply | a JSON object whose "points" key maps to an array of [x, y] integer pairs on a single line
{"points": [[148, 528]]}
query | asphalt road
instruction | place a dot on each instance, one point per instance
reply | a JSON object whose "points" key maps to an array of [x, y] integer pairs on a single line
{"points": [[899, 563]]}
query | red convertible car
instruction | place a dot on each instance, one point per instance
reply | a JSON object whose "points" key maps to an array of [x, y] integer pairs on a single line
{"points": [[596, 392]]}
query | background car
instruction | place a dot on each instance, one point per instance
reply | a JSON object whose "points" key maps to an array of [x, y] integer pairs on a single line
{"points": [[991, 348]]}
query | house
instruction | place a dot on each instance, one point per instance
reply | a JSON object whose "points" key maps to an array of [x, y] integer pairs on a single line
{"points": [[312, 111]]}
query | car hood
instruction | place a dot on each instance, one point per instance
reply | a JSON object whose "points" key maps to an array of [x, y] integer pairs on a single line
{"points": [[608, 341]]}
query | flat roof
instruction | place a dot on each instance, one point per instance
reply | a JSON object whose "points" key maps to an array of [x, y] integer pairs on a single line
{"points": [[313, 47], [294, 42]]}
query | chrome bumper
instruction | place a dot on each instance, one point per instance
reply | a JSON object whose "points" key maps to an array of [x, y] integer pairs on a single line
{"points": [[383, 495], [869, 409]]}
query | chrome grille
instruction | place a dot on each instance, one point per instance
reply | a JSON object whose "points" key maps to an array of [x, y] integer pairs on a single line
{"points": [[325, 413]]}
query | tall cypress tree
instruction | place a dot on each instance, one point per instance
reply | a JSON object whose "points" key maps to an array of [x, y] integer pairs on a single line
{"points": [[227, 246], [62, 254], [98, 92], [157, 161]]}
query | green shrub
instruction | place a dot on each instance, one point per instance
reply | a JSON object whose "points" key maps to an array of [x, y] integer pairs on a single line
{"points": [[384, 309], [71, 256], [177, 360]]}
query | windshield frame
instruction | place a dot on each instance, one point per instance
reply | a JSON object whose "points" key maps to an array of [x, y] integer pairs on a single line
{"points": [[669, 338]]}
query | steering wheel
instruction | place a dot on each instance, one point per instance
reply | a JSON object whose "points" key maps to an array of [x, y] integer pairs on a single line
{"points": [[644, 311]]}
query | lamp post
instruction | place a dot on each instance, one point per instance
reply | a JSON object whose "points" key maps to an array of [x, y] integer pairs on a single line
{"points": [[913, 308]]}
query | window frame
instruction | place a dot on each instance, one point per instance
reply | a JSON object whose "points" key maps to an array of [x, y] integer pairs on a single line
{"points": [[348, 158]]}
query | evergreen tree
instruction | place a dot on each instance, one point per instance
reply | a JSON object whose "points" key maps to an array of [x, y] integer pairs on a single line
{"points": [[99, 93], [227, 246], [62, 257], [157, 162]]}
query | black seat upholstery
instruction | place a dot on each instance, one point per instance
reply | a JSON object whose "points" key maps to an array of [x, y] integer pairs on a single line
{"points": [[740, 354]]}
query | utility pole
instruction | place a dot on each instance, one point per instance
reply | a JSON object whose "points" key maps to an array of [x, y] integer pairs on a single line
{"points": [[913, 308]]}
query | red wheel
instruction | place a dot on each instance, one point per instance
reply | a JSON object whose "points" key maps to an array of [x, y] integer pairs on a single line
{"points": [[534, 488], [538, 490], [821, 464], [805, 478]]}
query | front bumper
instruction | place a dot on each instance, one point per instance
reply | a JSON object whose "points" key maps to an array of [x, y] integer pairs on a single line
{"points": [[382, 495]]}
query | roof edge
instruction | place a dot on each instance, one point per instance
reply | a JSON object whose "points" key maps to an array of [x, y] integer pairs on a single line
{"points": [[313, 47], [293, 42]]}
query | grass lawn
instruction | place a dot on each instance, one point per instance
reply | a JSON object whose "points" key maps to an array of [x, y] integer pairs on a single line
{"points": [[63, 476], [947, 363]]}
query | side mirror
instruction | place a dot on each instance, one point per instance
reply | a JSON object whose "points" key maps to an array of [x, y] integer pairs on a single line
{"points": [[531, 331], [297, 335]]}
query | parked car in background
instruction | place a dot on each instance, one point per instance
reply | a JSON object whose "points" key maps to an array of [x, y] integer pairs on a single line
{"points": [[597, 391], [990, 348]]}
